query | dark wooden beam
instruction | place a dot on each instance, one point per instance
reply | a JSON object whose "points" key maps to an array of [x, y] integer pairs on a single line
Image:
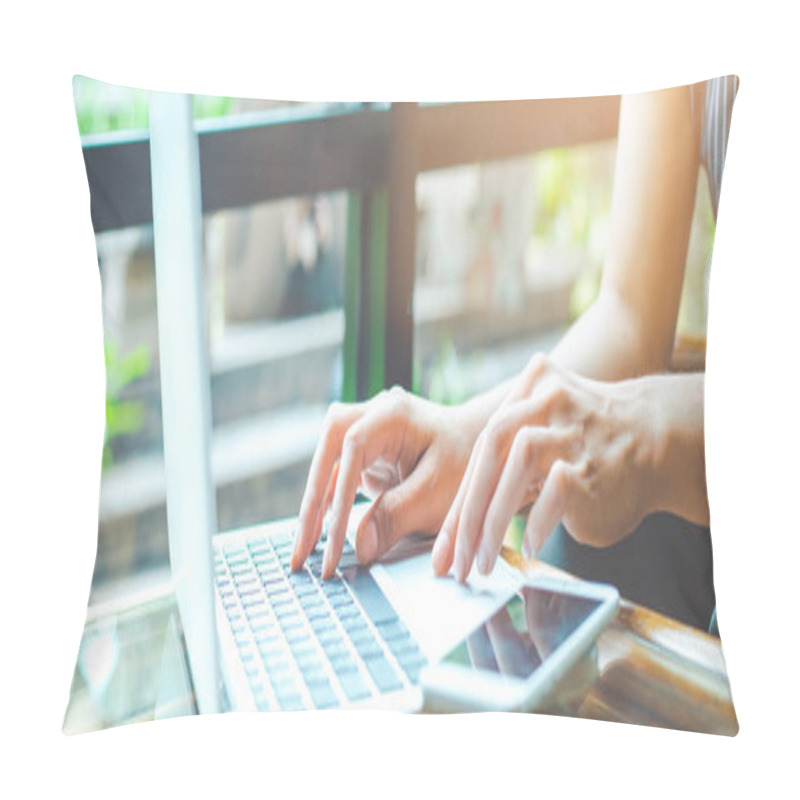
{"points": [[249, 161]]}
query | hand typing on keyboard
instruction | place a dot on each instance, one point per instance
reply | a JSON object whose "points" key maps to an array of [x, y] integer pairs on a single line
{"points": [[407, 453]]}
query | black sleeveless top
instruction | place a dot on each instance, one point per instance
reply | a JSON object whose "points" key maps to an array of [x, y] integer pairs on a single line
{"points": [[720, 94]]}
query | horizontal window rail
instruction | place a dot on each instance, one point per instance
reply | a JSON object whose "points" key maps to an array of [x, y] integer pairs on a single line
{"points": [[253, 158]]}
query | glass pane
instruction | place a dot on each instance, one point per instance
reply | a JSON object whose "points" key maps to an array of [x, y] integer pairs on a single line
{"points": [[508, 253], [274, 276]]}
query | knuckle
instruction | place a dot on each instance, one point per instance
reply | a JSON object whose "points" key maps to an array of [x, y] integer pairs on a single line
{"points": [[353, 439], [398, 399], [554, 396], [497, 430], [494, 428], [559, 473], [468, 527], [334, 419], [525, 446], [537, 365], [335, 411]]}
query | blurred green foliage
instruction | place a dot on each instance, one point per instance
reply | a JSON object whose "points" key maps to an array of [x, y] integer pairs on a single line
{"points": [[584, 292], [122, 416], [573, 190], [447, 380], [103, 108]]}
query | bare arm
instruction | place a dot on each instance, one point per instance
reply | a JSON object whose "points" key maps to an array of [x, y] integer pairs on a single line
{"points": [[630, 329], [588, 446]]}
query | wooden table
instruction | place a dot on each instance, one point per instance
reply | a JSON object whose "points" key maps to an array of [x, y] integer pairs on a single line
{"points": [[651, 670]]}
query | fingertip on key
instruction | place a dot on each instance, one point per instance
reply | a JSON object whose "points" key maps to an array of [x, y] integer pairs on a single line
{"points": [[460, 567], [439, 554]]}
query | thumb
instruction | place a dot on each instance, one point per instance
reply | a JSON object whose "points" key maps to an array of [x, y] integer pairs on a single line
{"points": [[396, 513]]}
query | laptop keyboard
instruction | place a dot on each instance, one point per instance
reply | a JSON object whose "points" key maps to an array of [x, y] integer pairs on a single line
{"points": [[309, 643]]}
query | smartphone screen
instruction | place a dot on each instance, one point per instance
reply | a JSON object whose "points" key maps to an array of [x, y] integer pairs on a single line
{"points": [[519, 637]]}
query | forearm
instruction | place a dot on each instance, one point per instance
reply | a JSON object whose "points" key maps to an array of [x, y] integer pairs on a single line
{"points": [[608, 342], [673, 423]]}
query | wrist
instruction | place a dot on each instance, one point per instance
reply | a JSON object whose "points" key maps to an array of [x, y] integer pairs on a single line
{"points": [[648, 441], [472, 415], [673, 446]]}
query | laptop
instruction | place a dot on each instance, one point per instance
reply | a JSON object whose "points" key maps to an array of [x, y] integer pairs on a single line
{"points": [[291, 641], [258, 637]]}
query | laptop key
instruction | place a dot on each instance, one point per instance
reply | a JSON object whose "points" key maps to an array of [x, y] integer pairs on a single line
{"points": [[303, 651], [314, 674], [369, 650], [276, 667], [354, 686], [361, 636], [266, 636], [370, 595], [340, 600], [354, 625], [393, 629], [403, 647], [290, 623], [251, 670], [383, 674], [328, 636], [413, 670], [291, 702], [261, 699], [282, 537], [318, 612], [335, 647], [322, 695], [348, 612], [296, 636], [342, 663], [271, 652]]}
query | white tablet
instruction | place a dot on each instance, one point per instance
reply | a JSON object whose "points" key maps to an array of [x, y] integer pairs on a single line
{"points": [[515, 658]]}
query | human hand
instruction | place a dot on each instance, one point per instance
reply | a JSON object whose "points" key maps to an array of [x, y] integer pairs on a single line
{"points": [[406, 452], [579, 450]]}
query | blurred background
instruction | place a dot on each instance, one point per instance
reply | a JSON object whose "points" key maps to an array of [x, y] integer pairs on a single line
{"points": [[507, 252]]}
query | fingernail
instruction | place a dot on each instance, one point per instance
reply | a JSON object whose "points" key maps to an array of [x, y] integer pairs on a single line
{"points": [[368, 543], [483, 563], [527, 549], [461, 567], [438, 549], [326, 562]]}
